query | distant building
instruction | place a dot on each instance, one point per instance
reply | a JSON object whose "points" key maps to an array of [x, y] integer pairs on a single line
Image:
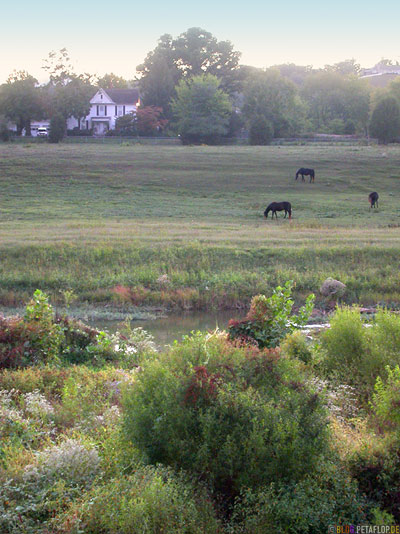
{"points": [[105, 107], [380, 75]]}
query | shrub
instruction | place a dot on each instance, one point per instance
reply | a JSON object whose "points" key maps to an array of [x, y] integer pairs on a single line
{"points": [[236, 417], [71, 461], [295, 345], [270, 318], [261, 131], [57, 128], [310, 506], [377, 471], [60, 475], [35, 339], [356, 355], [151, 501], [386, 400]]}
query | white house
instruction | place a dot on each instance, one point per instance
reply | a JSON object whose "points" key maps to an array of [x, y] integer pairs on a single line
{"points": [[105, 107]]}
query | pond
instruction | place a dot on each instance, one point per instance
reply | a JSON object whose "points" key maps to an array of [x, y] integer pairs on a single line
{"points": [[172, 327]]}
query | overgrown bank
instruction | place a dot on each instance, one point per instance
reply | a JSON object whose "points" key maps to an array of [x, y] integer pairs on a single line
{"points": [[195, 276], [257, 431]]}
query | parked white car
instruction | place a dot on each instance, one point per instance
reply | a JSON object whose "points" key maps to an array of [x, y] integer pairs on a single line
{"points": [[42, 132]]}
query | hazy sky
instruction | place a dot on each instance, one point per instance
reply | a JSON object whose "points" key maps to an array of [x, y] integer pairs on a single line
{"points": [[116, 35]]}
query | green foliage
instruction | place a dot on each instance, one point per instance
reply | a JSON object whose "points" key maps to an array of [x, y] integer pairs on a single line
{"points": [[385, 120], [386, 400], [331, 96], [236, 417], [356, 355], [377, 472], [57, 128], [295, 345], [273, 98], [193, 53], [201, 109], [4, 131], [271, 318], [150, 501], [326, 497], [261, 131], [21, 101]]}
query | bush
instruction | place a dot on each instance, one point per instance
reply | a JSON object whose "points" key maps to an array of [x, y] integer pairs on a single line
{"points": [[385, 120], [357, 355], [261, 131], [57, 128], [295, 345], [236, 417], [151, 501], [377, 471], [386, 400], [270, 319], [309, 507]]}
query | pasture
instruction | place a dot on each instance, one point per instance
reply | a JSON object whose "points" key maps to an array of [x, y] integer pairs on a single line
{"points": [[93, 218]]}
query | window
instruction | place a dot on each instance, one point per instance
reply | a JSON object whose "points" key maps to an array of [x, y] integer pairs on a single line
{"points": [[101, 108], [105, 110], [120, 111]]}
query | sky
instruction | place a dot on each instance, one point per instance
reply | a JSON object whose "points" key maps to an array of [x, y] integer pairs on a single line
{"points": [[115, 36]]}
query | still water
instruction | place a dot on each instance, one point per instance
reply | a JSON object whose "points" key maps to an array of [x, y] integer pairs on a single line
{"points": [[166, 329]]}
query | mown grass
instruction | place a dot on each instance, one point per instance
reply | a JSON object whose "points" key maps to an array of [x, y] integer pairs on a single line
{"points": [[95, 217]]}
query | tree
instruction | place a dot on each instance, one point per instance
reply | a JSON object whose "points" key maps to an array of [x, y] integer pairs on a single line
{"points": [[20, 100], [112, 81], [193, 53], [261, 131], [331, 96], [149, 120], [275, 99], [68, 94], [385, 120], [57, 128], [346, 67], [126, 125], [201, 109], [59, 67], [72, 99]]}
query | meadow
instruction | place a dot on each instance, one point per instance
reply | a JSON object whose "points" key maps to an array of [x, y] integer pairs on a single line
{"points": [[183, 227]]}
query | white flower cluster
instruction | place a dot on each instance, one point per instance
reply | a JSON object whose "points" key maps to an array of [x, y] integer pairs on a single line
{"points": [[71, 461], [7, 410], [37, 404], [341, 400]]}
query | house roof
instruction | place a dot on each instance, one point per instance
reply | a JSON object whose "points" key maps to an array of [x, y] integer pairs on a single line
{"points": [[123, 96]]}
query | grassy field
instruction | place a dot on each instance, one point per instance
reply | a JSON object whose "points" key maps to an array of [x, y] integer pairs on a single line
{"points": [[107, 221]]}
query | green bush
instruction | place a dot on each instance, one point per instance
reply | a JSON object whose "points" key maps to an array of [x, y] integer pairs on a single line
{"points": [[261, 131], [236, 417], [270, 319], [386, 400], [377, 471], [150, 501], [357, 355], [58, 128], [322, 499], [295, 345]]}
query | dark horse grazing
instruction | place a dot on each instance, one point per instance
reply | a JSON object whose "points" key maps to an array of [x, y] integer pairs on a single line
{"points": [[279, 206], [373, 199], [305, 172]]}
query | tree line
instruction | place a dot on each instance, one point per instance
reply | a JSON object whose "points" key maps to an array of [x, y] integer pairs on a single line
{"points": [[194, 86]]}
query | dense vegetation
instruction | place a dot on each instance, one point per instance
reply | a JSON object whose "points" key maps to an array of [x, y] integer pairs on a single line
{"points": [[281, 101], [102, 434]]}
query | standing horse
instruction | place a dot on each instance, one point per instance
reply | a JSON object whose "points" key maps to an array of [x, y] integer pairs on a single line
{"points": [[373, 199], [305, 172], [279, 206]]}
